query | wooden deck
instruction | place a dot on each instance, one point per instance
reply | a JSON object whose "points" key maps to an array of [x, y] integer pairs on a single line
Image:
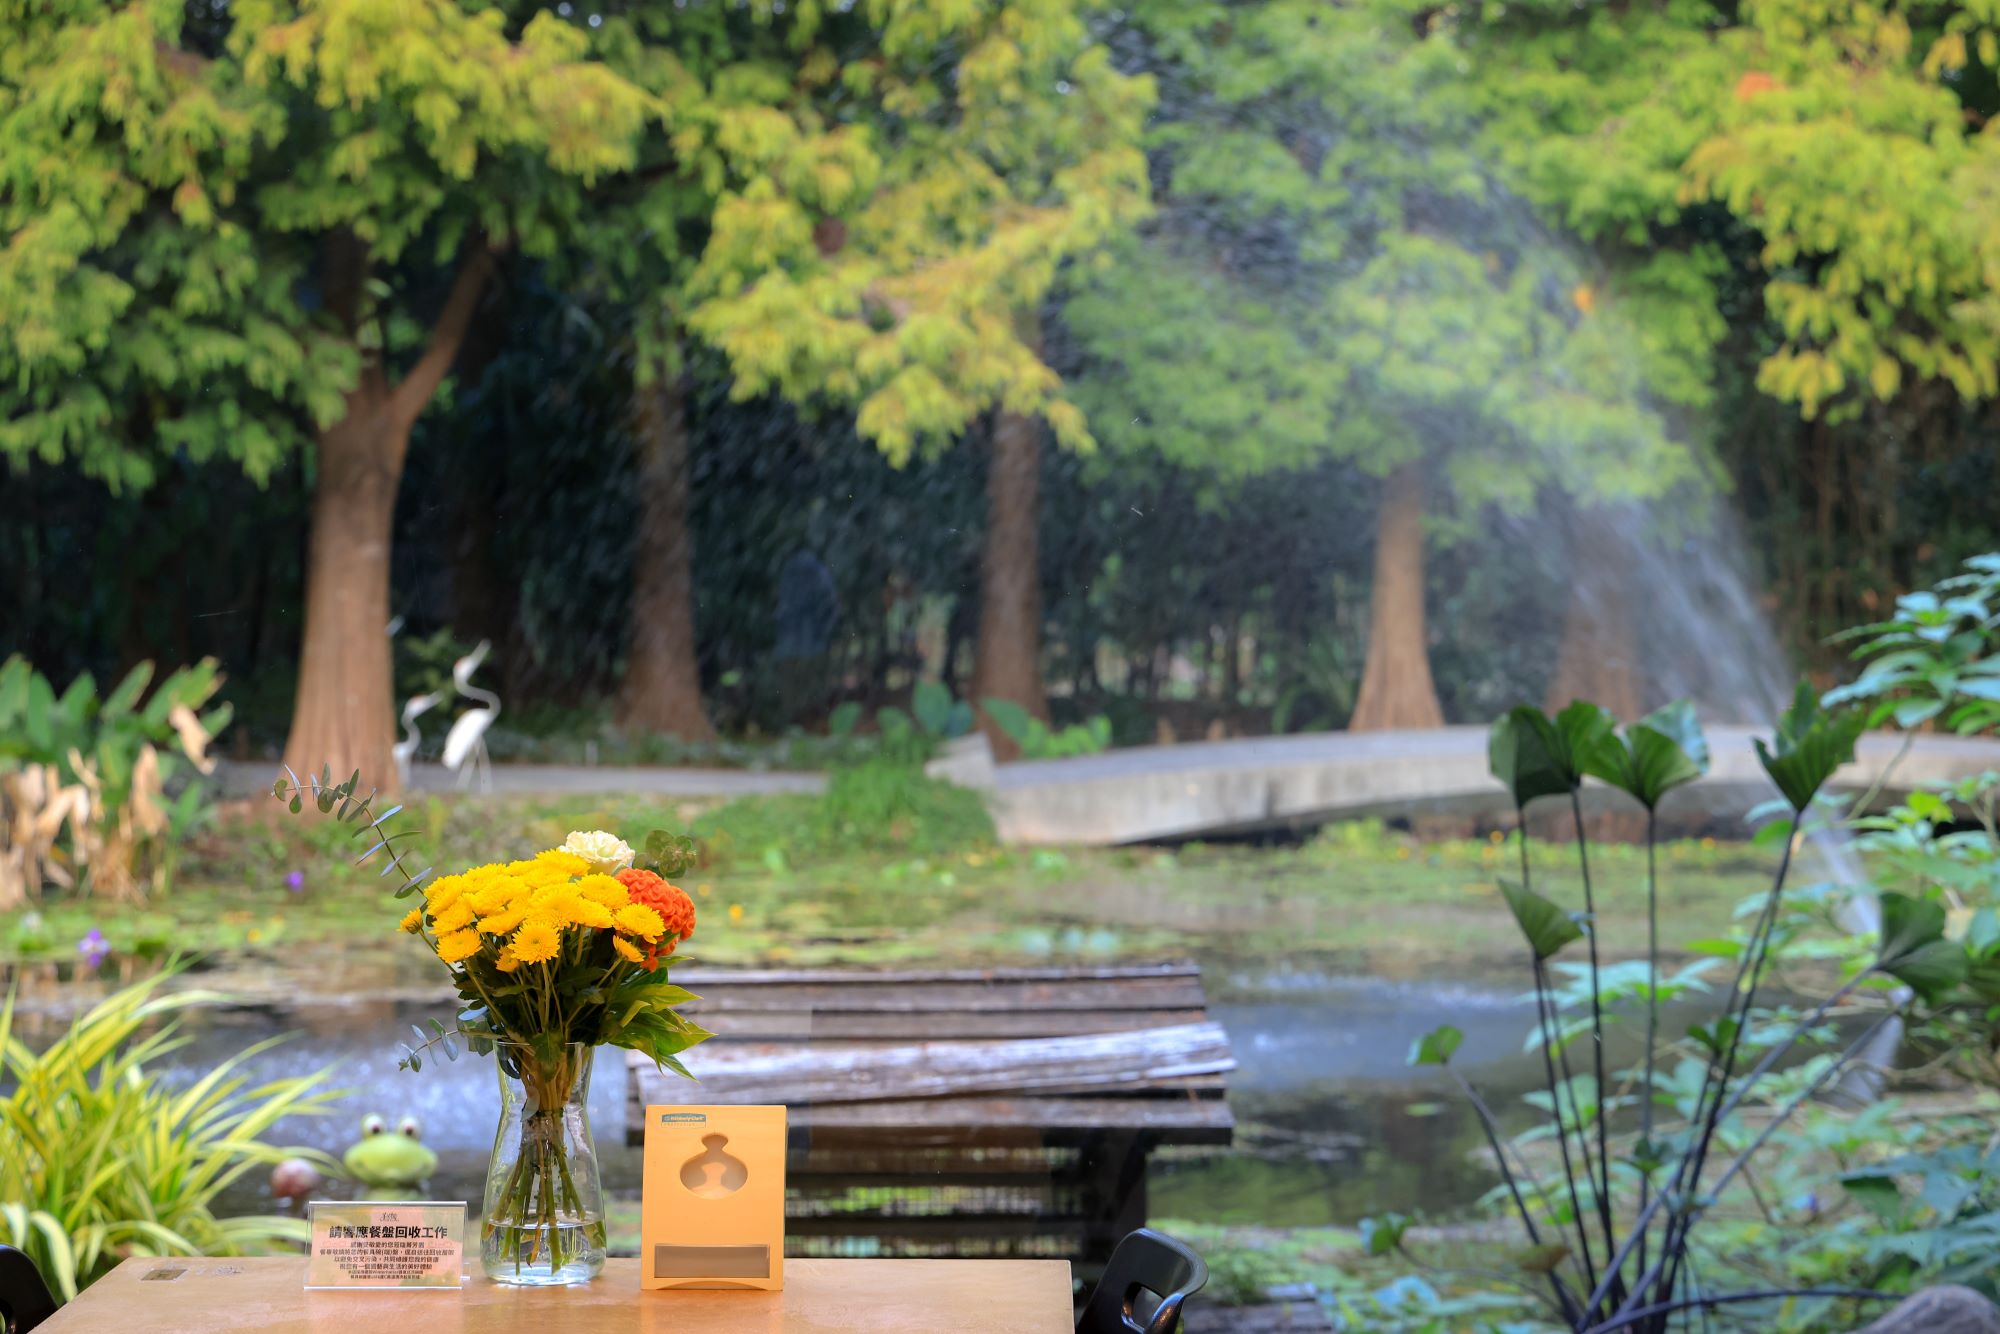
{"points": [[952, 1112]]}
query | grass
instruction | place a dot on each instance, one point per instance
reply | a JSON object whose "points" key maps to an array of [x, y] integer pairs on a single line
{"points": [[877, 874]]}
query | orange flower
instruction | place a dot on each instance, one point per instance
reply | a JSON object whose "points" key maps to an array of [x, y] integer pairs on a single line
{"points": [[675, 908]]}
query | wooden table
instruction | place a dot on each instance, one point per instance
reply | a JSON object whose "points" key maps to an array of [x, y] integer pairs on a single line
{"points": [[266, 1295]]}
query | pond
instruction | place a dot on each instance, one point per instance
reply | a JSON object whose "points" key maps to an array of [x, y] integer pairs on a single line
{"points": [[1333, 1124]]}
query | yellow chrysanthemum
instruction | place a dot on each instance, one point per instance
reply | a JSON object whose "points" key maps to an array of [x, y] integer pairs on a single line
{"points": [[558, 905], [458, 946], [491, 897], [413, 920], [443, 892], [508, 963], [626, 949], [535, 942], [502, 922], [587, 912], [455, 918], [538, 875], [603, 889], [639, 920], [567, 862]]}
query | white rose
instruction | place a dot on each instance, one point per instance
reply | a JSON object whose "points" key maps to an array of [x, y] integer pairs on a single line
{"points": [[607, 854]]}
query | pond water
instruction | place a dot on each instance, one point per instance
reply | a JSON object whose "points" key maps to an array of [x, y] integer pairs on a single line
{"points": [[1333, 1124]]}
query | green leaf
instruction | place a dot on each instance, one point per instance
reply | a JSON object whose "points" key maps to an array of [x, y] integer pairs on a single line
{"points": [[1809, 746], [1436, 1047], [1523, 752], [1546, 927], [1662, 751], [121, 699], [1010, 718], [1380, 1236], [846, 716], [1877, 1194], [931, 703], [1914, 950], [1983, 932], [667, 854]]}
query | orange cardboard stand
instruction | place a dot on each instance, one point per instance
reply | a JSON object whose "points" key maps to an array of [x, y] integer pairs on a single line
{"points": [[712, 1209]]}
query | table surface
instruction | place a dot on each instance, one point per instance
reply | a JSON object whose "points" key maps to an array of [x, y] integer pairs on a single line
{"points": [[266, 1295]]}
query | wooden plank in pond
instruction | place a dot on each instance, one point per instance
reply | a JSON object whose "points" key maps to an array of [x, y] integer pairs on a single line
{"points": [[754, 1025], [1180, 992], [819, 1073]]}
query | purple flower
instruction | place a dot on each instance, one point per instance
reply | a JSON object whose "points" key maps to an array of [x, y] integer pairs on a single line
{"points": [[296, 881], [93, 947]]}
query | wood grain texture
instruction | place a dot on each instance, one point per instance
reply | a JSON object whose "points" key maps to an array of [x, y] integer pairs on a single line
{"points": [[265, 1295]]}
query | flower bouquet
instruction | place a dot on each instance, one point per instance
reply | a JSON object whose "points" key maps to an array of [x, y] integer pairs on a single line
{"points": [[552, 957]]}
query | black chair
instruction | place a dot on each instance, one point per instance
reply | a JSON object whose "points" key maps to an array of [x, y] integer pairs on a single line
{"points": [[24, 1299], [1144, 1286]]}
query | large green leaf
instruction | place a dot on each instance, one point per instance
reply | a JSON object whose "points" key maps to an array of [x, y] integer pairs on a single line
{"points": [[1523, 752], [1546, 927], [1539, 756], [1914, 949], [1810, 744], [1662, 751]]}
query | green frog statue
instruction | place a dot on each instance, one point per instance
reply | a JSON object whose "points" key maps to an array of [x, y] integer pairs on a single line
{"points": [[390, 1166]]}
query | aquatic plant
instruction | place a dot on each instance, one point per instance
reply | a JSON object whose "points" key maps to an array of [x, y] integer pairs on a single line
{"points": [[1607, 1266]]}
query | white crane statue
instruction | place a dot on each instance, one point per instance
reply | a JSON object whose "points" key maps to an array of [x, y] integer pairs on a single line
{"points": [[405, 750], [465, 744]]}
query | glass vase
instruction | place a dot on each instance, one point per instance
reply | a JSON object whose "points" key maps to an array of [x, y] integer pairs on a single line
{"points": [[544, 1217]]}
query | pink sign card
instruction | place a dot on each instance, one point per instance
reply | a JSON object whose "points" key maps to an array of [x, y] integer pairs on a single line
{"points": [[386, 1244]]}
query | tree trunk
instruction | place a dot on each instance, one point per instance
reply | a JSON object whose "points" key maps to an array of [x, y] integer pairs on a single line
{"points": [[1598, 659], [1396, 689], [1008, 657], [662, 688], [343, 717]]}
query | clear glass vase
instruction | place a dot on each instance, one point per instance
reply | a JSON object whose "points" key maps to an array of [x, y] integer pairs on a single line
{"points": [[544, 1216]]}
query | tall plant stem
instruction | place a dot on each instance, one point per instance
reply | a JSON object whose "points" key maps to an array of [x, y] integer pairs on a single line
{"points": [[1652, 1015], [1544, 1007], [1688, 1178], [1565, 1299], [1675, 1232], [1548, 1020], [1596, 1041], [1627, 1319]]}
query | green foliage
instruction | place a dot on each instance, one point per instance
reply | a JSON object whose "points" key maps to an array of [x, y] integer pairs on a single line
{"points": [[1311, 287], [1038, 741], [881, 805], [893, 259], [1842, 138], [1936, 658], [123, 772], [1596, 1253], [196, 199], [1662, 751], [105, 1160], [1546, 927], [1810, 744]]}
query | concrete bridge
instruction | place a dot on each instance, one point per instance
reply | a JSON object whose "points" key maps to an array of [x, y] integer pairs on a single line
{"points": [[1232, 787], [1202, 789]]}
